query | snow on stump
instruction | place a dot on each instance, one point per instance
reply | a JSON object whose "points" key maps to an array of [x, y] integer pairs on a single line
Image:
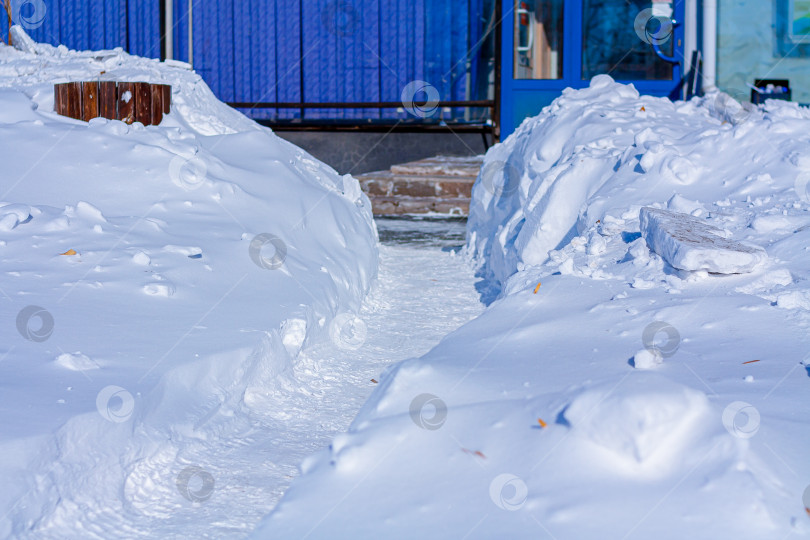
{"points": [[688, 243], [126, 101]]}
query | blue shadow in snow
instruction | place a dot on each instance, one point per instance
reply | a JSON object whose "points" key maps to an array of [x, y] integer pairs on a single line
{"points": [[562, 420], [487, 290], [630, 237]]}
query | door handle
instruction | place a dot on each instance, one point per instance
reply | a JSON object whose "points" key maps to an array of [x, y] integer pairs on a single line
{"points": [[661, 54]]}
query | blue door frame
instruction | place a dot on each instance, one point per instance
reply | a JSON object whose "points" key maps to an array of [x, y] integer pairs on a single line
{"points": [[522, 98]]}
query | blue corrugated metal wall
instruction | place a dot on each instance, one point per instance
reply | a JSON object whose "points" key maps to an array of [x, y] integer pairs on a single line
{"points": [[92, 24], [364, 50], [287, 51]]}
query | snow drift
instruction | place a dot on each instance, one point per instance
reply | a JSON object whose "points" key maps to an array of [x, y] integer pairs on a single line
{"points": [[598, 153], [604, 393], [158, 282]]}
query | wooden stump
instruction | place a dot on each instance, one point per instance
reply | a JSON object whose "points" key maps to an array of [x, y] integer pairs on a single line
{"points": [[143, 103], [60, 99], [156, 103], [126, 101], [108, 99], [89, 101], [74, 100], [167, 98]]}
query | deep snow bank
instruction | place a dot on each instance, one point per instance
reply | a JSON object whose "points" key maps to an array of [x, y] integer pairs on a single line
{"points": [[596, 155], [197, 258], [605, 394]]}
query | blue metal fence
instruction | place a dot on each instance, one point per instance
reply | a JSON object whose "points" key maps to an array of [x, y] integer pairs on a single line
{"points": [[288, 51]]}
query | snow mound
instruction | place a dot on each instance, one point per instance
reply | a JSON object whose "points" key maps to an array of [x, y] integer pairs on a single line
{"points": [[137, 245], [76, 361], [12, 215], [647, 359], [644, 423], [689, 243], [594, 157]]}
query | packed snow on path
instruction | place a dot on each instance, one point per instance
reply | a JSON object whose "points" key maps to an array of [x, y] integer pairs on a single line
{"points": [[603, 393], [250, 467]]}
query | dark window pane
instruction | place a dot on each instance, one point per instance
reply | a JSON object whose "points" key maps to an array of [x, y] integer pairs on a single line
{"points": [[618, 38]]}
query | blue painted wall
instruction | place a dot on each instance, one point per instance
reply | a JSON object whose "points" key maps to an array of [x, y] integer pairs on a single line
{"points": [[287, 51]]}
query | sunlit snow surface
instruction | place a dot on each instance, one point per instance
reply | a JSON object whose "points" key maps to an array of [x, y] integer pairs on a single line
{"points": [[603, 393], [183, 381]]}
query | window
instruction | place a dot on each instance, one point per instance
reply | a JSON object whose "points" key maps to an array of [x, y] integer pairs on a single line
{"points": [[618, 38], [538, 39]]}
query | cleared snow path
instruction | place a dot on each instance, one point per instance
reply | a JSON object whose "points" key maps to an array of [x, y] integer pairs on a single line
{"points": [[424, 291]]}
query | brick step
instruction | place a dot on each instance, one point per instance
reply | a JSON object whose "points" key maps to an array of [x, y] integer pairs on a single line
{"points": [[388, 184], [441, 166], [417, 177], [439, 184], [386, 206]]}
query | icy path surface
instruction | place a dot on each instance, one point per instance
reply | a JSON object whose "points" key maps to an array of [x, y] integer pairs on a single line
{"points": [[424, 291]]}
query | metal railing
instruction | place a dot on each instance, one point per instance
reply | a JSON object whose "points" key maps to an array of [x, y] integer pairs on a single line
{"points": [[410, 125]]}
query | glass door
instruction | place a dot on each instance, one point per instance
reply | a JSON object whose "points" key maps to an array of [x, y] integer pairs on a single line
{"points": [[550, 45]]}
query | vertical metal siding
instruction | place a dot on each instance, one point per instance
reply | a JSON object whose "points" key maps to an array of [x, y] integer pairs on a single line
{"points": [[287, 33], [99, 24]]}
